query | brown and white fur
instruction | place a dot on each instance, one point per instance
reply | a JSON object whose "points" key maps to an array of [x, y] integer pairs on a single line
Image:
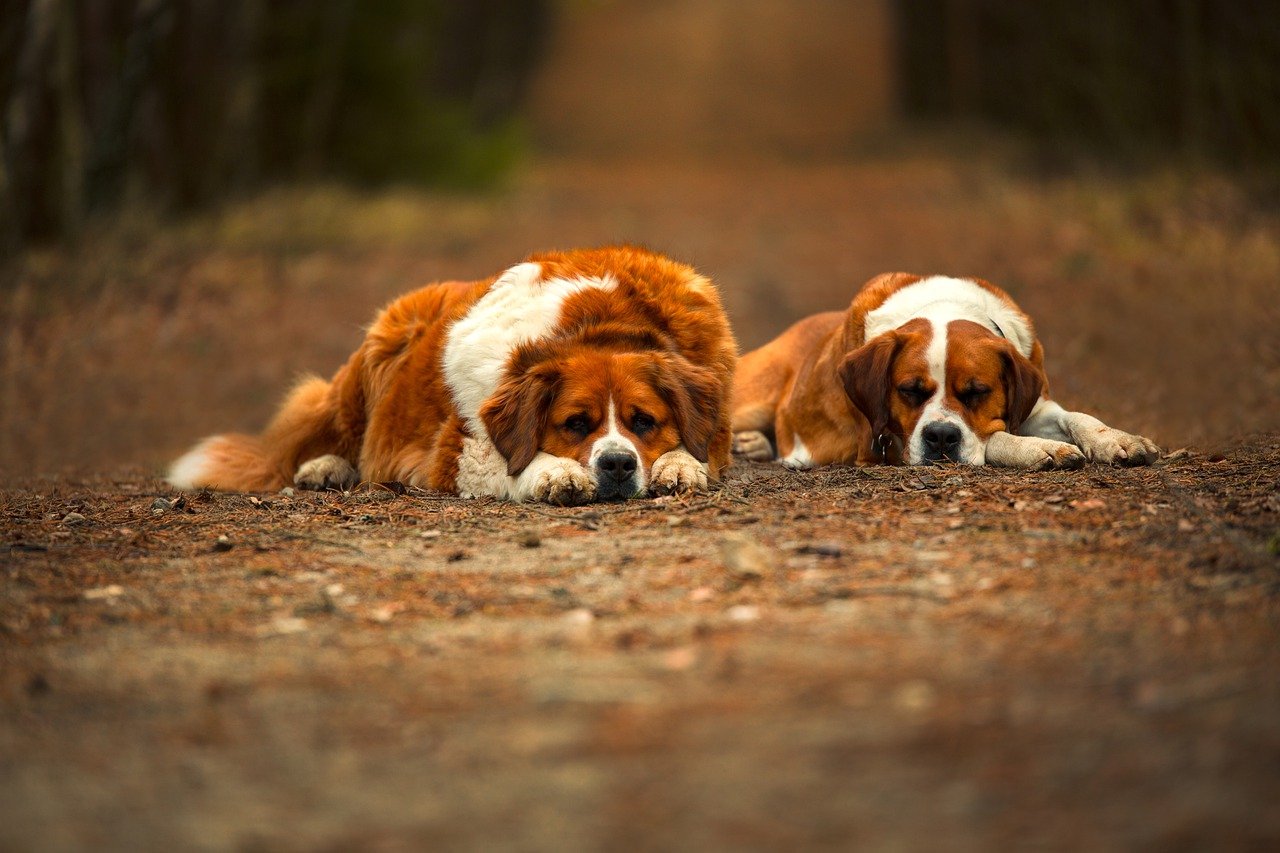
{"points": [[917, 370], [574, 376]]}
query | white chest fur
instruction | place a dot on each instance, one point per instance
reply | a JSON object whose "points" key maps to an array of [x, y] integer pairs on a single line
{"points": [[520, 307]]}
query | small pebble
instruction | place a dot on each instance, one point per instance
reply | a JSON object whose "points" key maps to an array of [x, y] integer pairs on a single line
{"points": [[743, 613], [385, 613], [73, 518], [288, 491], [161, 504], [822, 549], [745, 558], [113, 591], [678, 660], [223, 543], [580, 616], [284, 625], [915, 696]]}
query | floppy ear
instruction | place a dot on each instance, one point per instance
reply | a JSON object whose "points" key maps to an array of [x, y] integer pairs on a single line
{"points": [[517, 413], [866, 374], [1023, 384], [693, 394]]}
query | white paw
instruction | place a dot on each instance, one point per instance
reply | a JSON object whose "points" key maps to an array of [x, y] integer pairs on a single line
{"points": [[563, 482], [1115, 447], [1058, 454], [753, 445], [326, 472], [676, 472], [1031, 452]]}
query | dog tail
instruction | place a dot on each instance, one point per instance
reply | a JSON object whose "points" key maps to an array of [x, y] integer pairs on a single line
{"points": [[234, 462], [318, 417]]}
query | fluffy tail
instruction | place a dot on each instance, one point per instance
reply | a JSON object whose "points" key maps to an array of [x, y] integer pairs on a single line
{"points": [[317, 418]]}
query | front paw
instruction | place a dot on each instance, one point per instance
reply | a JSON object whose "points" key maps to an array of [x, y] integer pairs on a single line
{"points": [[753, 445], [1032, 453], [1114, 447], [1059, 455], [564, 482], [326, 472], [677, 472]]}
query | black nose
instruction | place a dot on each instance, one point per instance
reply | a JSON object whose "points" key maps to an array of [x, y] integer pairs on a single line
{"points": [[941, 440], [617, 466]]}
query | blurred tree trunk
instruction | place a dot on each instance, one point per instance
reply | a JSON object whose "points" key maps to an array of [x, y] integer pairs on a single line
{"points": [[962, 56], [237, 155], [108, 164], [326, 82], [70, 121], [1192, 70], [12, 24], [22, 182]]}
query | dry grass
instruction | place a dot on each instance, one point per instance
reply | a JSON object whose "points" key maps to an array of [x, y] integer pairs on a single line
{"points": [[1156, 297]]}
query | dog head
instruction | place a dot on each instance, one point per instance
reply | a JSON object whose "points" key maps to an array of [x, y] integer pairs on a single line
{"points": [[614, 413], [936, 392]]}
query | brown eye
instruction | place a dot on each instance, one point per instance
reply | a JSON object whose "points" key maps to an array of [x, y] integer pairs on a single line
{"points": [[642, 423], [913, 394], [973, 395], [578, 424]]}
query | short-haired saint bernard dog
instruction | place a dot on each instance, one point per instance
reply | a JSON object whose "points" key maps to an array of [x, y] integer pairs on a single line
{"points": [[599, 374], [917, 370]]}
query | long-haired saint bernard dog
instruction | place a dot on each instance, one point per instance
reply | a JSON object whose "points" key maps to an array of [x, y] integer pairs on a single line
{"points": [[600, 374], [918, 370]]}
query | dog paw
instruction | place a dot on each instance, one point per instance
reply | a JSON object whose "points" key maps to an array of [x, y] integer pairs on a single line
{"points": [[796, 463], [1115, 447], [677, 472], [326, 472], [1032, 453], [563, 482], [1058, 455], [753, 445]]}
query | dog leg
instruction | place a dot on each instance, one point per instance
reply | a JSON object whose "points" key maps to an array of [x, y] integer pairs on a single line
{"points": [[326, 472], [1031, 452], [677, 472], [1099, 442], [753, 445]]}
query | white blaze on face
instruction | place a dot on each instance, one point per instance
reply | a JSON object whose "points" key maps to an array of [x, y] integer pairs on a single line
{"points": [[614, 441], [520, 307], [937, 410]]}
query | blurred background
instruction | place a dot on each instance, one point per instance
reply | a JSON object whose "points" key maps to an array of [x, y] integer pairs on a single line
{"points": [[200, 200]]}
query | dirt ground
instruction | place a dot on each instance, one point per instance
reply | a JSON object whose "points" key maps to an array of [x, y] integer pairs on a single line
{"points": [[942, 658], [947, 658]]}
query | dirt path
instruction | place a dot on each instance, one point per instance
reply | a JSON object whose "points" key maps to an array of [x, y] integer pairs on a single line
{"points": [[933, 659], [937, 659]]}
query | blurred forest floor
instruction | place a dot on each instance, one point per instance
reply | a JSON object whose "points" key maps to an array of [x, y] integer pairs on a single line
{"points": [[1156, 297], [956, 658]]}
